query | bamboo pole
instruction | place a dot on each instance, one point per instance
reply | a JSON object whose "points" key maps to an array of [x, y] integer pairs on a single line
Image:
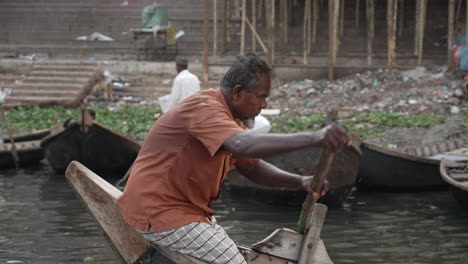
{"points": [[309, 26], [260, 8], [370, 29], [215, 27], [242, 44], [451, 10], [416, 27], [333, 14], [225, 18], [265, 49], [305, 31], [357, 13], [254, 23], [206, 43], [336, 17], [459, 4], [13, 151], [466, 24], [273, 27], [316, 17], [390, 33], [342, 4], [401, 18], [286, 10], [422, 24], [284, 22]]}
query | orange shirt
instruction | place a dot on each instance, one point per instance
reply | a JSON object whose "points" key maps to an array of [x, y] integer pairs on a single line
{"points": [[180, 167]]}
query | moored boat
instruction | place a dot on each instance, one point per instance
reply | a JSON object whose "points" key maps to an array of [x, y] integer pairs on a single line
{"points": [[100, 198], [455, 173], [95, 145], [341, 178], [400, 170], [27, 146]]}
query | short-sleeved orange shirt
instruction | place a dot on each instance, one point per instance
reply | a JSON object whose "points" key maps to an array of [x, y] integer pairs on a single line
{"points": [[180, 167]]}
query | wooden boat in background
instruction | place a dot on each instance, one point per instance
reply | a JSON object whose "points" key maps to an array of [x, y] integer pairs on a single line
{"points": [[100, 198], [342, 176], [412, 168], [455, 173], [95, 145], [28, 147]]}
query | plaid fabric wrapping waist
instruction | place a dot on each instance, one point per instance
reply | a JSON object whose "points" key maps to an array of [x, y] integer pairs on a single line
{"points": [[206, 242]]}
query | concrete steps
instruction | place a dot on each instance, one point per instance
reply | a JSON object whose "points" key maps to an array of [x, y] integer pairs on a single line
{"points": [[52, 80]]}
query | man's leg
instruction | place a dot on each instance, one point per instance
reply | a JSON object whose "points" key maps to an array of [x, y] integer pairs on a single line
{"points": [[207, 242]]}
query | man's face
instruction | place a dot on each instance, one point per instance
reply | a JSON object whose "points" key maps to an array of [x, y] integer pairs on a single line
{"points": [[247, 105]]}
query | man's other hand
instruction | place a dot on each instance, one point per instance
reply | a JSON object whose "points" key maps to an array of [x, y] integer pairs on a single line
{"points": [[333, 137], [306, 185]]}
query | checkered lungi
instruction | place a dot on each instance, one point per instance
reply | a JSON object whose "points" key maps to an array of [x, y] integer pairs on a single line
{"points": [[207, 242]]}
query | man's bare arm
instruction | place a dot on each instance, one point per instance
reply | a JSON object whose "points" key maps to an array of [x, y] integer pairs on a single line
{"points": [[251, 145], [265, 173]]}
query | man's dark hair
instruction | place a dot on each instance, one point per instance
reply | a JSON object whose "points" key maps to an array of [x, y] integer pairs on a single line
{"points": [[245, 71], [182, 62]]}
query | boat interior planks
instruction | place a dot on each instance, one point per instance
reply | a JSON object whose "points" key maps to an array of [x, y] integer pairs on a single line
{"points": [[28, 147], [100, 198], [455, 173]]}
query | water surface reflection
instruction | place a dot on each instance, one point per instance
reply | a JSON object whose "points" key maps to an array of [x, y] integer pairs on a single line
{"points": [[42, 221]]}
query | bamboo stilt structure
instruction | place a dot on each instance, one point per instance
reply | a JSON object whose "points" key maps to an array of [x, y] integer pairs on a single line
{"points": [[401, 18], [225, 18], [215, 27], [206, 43], [270, 7], [342, 5], [370, 29], [305, 31], [451, 22], [459, 4], [260, 8], [316, 17], [416, 27], [242, 43], [254, 23], [357, 13], [422, 25], [265, 49]]}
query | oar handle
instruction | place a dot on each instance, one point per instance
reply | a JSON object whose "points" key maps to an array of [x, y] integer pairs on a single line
{"points": [[321, 171]]}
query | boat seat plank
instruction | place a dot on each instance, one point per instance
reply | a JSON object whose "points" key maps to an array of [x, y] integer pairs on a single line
{"points": [[459, 176]]}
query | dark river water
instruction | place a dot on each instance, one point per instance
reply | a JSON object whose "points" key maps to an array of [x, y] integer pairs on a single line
{"points": [[42, 221]]}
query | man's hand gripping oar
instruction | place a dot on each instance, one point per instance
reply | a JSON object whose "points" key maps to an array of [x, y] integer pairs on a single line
{"points": [[313, 214]]}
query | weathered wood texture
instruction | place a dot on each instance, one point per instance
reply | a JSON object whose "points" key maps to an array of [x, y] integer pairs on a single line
{"points": [[100, 148], [100, 198], [456, 175]]}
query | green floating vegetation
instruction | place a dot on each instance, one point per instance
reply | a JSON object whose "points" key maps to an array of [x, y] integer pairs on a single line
{"points": [[136, 120], [131, 120], [366, 125]]}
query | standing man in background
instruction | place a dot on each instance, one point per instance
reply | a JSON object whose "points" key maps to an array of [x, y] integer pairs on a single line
{"points": [[185, 85]]}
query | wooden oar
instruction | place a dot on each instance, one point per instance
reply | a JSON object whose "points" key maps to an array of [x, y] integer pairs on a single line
{"points": [[14, 153], [313, 212]]}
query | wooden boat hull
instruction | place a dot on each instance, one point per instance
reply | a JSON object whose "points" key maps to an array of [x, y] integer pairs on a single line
{"points": [[342, 176], [100, 148], [27, 146], [458, 181], [395, 170], [100, 198], [417, 168]]}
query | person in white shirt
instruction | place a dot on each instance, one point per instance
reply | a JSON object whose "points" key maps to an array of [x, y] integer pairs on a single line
{"points": [[185, 85]]}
